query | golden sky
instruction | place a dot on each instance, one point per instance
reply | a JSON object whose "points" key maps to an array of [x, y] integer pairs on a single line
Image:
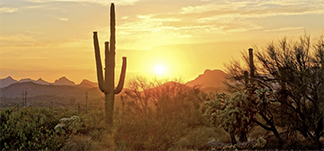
{"points": [[53, 38]]}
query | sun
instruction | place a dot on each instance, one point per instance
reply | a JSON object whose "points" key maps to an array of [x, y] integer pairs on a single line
{"points": [[159, 69]]}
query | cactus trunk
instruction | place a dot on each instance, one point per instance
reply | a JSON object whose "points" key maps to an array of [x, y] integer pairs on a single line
{"points": [[107, 83]]}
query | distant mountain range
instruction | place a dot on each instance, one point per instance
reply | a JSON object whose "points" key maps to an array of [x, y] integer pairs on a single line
{"points": [[61, 81], [209, 81], [34, 89]]}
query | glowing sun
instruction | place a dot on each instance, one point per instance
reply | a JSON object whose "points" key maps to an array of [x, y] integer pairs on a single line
{"points": [[159, 69]]}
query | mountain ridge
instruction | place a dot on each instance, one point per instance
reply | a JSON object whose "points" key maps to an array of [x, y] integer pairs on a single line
{"points": [[61, 81], [209, 81], [34, 89]]}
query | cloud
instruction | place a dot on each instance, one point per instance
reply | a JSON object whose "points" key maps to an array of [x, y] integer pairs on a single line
{"points": [[239, 16], [36, 6], [30, 39], [258, 8], [8, 10], [211, 7], [63, 19], [102, 2], [284, 29]]}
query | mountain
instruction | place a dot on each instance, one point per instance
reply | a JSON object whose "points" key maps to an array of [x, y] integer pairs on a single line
{"points": [[26, 80], [87, 84], [64, 81], [210, 80], [34, 89], [7, 81], [41, 81]]}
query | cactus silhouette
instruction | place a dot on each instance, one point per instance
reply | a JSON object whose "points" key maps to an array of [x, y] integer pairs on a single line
{"points": [[107, 85], [251, 65]]}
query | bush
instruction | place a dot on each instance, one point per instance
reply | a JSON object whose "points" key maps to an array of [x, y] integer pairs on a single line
{"points": [[30, 129], [196, 139], [157, 115], [81, 142], [93, 124], [149, 133]]}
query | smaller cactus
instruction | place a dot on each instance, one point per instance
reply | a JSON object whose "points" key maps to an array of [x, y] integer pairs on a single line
{"points": [[246, 78], [251, 65]]}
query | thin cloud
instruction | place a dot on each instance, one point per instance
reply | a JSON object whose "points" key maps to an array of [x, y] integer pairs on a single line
{"points": [[8, 10], [257, 8], [211, 7], [102, 2], [63, 19], [284, 29]]}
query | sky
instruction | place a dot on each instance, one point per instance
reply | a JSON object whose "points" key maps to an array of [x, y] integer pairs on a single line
{"points": [[50, 39]]}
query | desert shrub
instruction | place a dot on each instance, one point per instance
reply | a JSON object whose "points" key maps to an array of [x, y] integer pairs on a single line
{"points": [[293, 71], [158, 114], [89, 133], [93, 124], [221, 135], [69, 125], [257, 132], [81, 142], [149, 133], [30, 129], [196, 139], [229, 112]]}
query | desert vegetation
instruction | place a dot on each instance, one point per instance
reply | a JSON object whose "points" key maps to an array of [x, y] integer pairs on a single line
{"points": [[151, 115], [284, 90], [273, 101], [162, 115]]}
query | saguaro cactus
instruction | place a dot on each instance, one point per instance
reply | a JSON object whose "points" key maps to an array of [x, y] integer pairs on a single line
{"points": [[107, 85], [251, 66], [246, 78]]}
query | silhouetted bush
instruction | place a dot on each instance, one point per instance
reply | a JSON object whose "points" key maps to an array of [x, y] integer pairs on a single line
{"points": [[292, 71], [158, 114]]}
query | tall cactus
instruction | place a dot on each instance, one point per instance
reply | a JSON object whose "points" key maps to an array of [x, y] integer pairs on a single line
{"points": [[107, 85]]}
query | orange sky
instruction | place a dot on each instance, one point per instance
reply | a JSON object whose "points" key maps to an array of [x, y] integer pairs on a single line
{"points": [[53, 38]]}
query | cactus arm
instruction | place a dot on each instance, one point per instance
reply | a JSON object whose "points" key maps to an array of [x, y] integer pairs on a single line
{"points": [[122, 77], [98, 62], [112, 49], [112, 28], [112, 36]]}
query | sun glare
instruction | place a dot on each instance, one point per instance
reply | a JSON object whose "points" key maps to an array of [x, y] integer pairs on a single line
{"points": [[159, 69]]}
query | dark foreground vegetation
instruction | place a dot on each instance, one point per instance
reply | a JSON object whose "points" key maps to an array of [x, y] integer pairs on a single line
{"points": [[150, 117], [274, 102]]}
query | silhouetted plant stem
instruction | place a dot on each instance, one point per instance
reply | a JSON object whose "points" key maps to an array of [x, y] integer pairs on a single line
{"points": [[251, 66], [86, 110]]}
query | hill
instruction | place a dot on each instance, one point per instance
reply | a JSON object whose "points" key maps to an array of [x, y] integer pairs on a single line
{"points": [[210, 81], [64, 81], [87, 84], [41, 81]]}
